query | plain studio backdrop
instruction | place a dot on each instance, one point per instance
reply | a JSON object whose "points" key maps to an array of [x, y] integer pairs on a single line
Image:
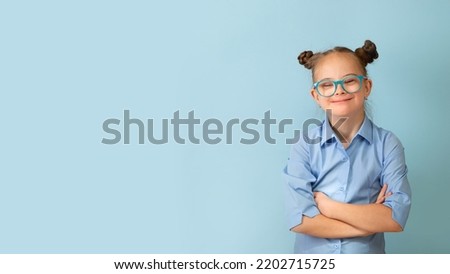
{"points": [[67, 66]]}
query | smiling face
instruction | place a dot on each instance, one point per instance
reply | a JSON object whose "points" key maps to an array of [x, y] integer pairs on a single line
{"points": [[336, 66]]}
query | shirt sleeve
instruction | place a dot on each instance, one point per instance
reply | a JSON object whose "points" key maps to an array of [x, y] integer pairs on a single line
{"points": [[298, 180], [394, 174]]}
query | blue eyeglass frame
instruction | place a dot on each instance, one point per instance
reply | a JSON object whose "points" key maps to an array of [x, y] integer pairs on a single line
{"points": [[340, 82]]}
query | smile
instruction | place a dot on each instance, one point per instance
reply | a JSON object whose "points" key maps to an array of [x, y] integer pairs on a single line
{"points": [[342, 100]]}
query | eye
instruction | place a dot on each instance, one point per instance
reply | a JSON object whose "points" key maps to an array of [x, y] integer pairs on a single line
{"points": [[350, 81], [326, 84]]}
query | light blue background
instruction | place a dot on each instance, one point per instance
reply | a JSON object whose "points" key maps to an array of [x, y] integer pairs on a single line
{"points": [[66, 66]]}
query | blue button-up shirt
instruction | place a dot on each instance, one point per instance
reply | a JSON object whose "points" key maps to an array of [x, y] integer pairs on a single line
{"points": [[319, 162]]}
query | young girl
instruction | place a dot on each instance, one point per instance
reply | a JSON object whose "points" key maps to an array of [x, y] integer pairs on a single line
{"points": [[346, 180]]}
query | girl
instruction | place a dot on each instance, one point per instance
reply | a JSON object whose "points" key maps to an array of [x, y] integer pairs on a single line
{"points": [[346, 180]]}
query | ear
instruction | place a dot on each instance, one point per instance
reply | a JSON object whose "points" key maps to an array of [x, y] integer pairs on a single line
{"points": [[315, 96], [367, 87]]}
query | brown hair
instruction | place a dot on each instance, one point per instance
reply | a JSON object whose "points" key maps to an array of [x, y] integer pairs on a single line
{"points": [[365, 55]]}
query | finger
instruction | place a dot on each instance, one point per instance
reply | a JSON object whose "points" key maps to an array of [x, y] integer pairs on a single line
{"points": [[382, 193], [383, 189]]}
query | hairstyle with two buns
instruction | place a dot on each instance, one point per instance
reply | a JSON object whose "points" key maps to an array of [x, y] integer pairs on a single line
{"points": [[365, 55]]}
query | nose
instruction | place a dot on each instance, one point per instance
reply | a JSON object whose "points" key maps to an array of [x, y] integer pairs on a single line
{"points": [[339, 89]]}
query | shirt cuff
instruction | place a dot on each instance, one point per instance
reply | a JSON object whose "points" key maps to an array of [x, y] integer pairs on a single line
{"points": [[400, 205], [296, 217]]}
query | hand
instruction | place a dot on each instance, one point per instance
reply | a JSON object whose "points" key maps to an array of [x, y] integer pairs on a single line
{"points": [[324, 203], [383, 195]]}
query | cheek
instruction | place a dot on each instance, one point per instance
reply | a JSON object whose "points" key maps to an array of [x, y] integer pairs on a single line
{"points": [[365, 93], [324, 101], [360, 99], [361, 95]]}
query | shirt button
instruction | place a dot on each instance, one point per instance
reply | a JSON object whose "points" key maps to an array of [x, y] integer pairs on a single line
{"points": [[341, 188], [336, 246], [344, 159]]}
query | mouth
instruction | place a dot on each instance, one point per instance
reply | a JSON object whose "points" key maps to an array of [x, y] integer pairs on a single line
{"points": [[341, 100]]}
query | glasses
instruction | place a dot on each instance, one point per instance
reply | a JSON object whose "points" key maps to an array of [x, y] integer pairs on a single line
{"points": [[350, 84]]}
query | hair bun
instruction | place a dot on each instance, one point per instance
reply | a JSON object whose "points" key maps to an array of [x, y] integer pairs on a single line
{"points": [[304, 58], [367, 53]]}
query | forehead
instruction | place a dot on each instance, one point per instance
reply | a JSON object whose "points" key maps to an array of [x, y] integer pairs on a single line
{"points": [[336, 65]]}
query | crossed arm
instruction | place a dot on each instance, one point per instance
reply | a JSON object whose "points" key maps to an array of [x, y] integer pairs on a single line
{"points": [[341, 220]]}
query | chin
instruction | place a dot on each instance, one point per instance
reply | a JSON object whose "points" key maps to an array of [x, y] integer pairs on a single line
{"points": [[339, 111], [343, 112]]}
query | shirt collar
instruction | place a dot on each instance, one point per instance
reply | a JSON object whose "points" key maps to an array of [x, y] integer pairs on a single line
{"points": [[365, 131]]}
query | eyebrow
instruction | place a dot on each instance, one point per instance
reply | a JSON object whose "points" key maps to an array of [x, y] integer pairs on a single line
{"points": [[337, 79], [349, 75]]}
